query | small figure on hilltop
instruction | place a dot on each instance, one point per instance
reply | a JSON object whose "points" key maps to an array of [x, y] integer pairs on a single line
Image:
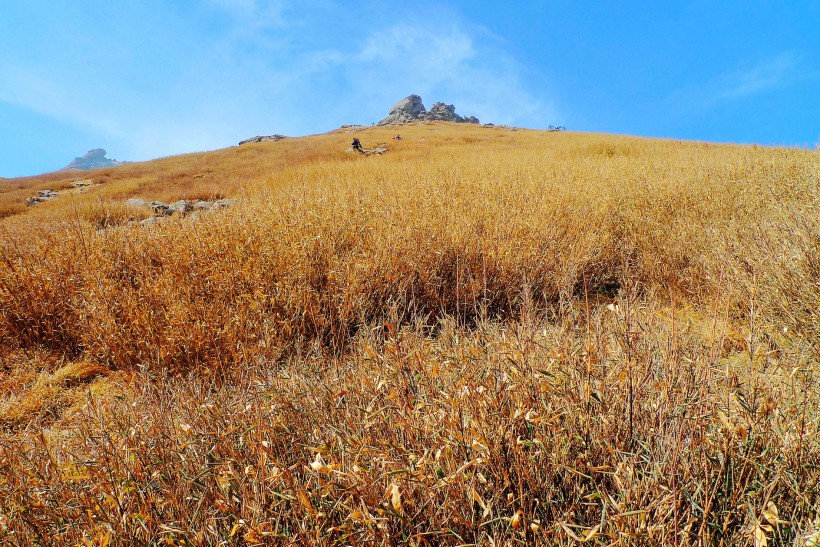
{"points": [[396, 137], [357, 145]]}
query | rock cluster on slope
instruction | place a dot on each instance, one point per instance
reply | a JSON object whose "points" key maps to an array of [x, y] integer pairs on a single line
{"points": [[42, 195], [183, 207], [263, 138], [48, 195], [412, 109], [94, 159]]}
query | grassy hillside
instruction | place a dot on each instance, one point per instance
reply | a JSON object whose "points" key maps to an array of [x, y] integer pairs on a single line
{"points": [[484, 333]]}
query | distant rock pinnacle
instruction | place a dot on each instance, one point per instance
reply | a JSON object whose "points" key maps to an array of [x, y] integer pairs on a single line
{"points": [[94, 159], [412, 109]]}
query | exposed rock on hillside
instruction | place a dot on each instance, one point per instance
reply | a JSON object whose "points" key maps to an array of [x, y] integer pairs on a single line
{"points": [[379, 150], [79, 186], [263, 138], [94, 159], [183, 207], [42, 195], [412, 109]]}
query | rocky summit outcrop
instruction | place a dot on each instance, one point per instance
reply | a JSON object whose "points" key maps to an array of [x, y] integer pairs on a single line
{"points": [[406, 110], [94, 159], [412, 109], [447, 113]]}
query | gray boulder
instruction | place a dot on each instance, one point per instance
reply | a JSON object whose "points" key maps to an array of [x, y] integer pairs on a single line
{"points": [[160, 209], [136, 202], [223, 203], [182, 206]]}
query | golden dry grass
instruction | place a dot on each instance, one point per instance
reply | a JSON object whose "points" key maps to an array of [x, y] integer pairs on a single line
{"points": [[484, 335]]}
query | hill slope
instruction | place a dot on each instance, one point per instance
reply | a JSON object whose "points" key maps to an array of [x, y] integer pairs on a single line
{"points": [[482, 333]]}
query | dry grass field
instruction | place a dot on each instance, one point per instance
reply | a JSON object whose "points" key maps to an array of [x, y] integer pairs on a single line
{"points": [[484, 336]]}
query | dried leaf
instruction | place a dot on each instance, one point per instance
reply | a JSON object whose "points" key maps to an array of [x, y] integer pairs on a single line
{"points": [[305, 501], [589, 535], [319, 465], [479, 447], [395, 498], [759, 533], [772, 515]]}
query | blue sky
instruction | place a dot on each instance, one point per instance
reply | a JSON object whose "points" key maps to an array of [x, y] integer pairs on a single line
{"points": [[152, 78]]}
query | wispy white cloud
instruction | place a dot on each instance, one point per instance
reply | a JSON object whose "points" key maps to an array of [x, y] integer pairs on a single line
{"points": [[765, 75], [453, 63], [436, 51], [739, 84], [27, 88], [263, 13]]}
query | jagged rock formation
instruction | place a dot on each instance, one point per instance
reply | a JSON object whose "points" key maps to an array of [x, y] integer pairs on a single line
{"points": [[412, 109], [94, 159], [447, 113], [263, 138], [407, 110]]}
